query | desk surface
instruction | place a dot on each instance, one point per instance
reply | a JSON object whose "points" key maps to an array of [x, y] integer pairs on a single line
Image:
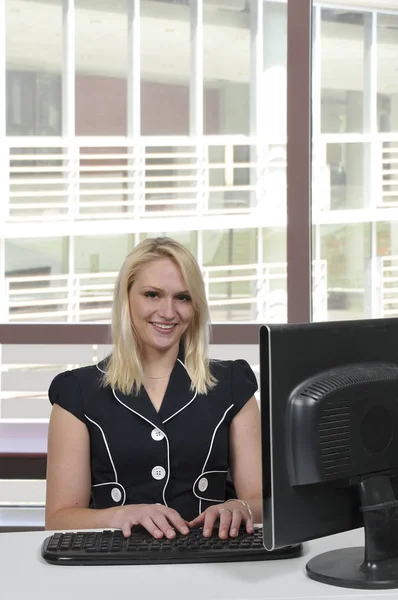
{"points": [[24, 574]]}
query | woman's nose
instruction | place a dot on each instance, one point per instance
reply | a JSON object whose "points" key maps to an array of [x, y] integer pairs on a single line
{"points": [[166, 309]]}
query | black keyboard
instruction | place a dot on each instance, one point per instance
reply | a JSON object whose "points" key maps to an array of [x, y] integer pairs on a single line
{"points": [[111, 548]]}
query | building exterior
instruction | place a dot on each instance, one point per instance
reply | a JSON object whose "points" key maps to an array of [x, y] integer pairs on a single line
{"points": [[125, 119]]}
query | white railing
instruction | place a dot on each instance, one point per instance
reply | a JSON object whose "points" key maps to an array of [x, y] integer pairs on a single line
{"points": [[388, 266], [253, 292], [52, 179], [389, 172], [96, 178]]}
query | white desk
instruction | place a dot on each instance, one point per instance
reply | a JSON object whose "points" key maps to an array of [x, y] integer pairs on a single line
{"points": [[25, 575]]}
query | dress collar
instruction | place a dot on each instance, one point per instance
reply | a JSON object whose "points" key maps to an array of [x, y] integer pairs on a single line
{"points": [[178, 396]]}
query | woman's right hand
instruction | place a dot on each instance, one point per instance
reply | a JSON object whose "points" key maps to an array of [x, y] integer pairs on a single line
{"points": [[158, 519]]}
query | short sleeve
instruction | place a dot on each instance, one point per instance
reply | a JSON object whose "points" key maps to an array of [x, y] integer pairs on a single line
{"points": [[244, 384], [65, 391]]}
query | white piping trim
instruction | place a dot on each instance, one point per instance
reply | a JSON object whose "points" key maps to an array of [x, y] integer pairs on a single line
{"points": [[106, 445], [100, 369], [197, 479], [168, 470], [211, 446], [188, 403], [181, 363], [113, 483], [156, 427]]}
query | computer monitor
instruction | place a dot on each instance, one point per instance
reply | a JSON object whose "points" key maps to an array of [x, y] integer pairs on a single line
{"points": [[329, 408]]}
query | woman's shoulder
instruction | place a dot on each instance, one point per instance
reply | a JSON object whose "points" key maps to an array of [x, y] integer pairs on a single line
{"points": [[227, 369], [236, 382], [74, 389], [86, 375]]}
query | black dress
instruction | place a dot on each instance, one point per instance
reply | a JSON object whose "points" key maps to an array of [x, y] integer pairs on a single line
{"points": [[178, 456]]}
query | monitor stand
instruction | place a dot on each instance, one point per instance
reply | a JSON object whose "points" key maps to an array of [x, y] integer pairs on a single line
{"points": [[374, 566]]}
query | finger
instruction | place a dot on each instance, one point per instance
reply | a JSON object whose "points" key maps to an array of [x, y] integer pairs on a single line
{"points": [[236, 522], [210, 517], [225, 523], [150, 526], [126, 529], [176, 521], [163, 524], [249, 525], [197, 521]]}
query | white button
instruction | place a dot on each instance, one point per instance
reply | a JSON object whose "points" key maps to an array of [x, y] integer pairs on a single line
{"points": [[158, 473], [116, 495], [157, 435], [203, 484]]}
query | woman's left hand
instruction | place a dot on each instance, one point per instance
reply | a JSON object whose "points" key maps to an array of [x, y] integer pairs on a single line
{"points": [[230, 515]]}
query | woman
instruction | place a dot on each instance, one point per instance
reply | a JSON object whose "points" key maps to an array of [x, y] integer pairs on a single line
{"points": [[149, 434]]}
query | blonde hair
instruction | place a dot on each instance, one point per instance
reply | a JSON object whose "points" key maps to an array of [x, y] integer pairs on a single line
{"points": [[124, 368]]}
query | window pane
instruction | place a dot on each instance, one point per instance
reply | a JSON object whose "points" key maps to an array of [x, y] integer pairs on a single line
{"points": [[347, 251], [230, 271], [387, 269], [343, 176], [101, 68], [226, 73], [97, 262], [346, 168], [96, 254], [34, 68], [165, 67], [272, 292], [387, 84], [342, 70], [36, 279]]}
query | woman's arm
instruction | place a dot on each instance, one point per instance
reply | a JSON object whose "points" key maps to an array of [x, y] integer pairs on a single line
{"points": [[68, 475], [69, 487], [245, 457]]}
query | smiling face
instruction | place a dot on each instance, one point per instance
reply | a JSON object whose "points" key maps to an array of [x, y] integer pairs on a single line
{"points": [[160, 306]]}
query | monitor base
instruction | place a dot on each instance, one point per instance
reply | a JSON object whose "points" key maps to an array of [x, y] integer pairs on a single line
{"points": [[346, 568]]}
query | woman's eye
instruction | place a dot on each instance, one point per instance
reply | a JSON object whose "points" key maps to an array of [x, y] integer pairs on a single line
{"points": [[151, 294], [184, 297]]}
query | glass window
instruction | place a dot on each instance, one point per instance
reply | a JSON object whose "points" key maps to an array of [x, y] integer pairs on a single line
{"points": [[101, 68], [97, 262], [165, 67], [272, 292], [226, 69], [239, 169], [231, 273], [346, 248], [386, 268], [36, 279], [387, 84], [343, 176], [346, 169], [342, 70], [34, 68], [96, 254]]}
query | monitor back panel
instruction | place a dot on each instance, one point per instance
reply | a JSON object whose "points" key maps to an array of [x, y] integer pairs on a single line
{"points": [[290, 354]]}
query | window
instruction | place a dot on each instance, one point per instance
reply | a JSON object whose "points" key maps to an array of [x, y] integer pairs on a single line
{"points": [[354, 159]]}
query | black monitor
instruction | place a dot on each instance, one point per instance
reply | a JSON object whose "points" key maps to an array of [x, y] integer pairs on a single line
{"points": [[329, 408]]}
